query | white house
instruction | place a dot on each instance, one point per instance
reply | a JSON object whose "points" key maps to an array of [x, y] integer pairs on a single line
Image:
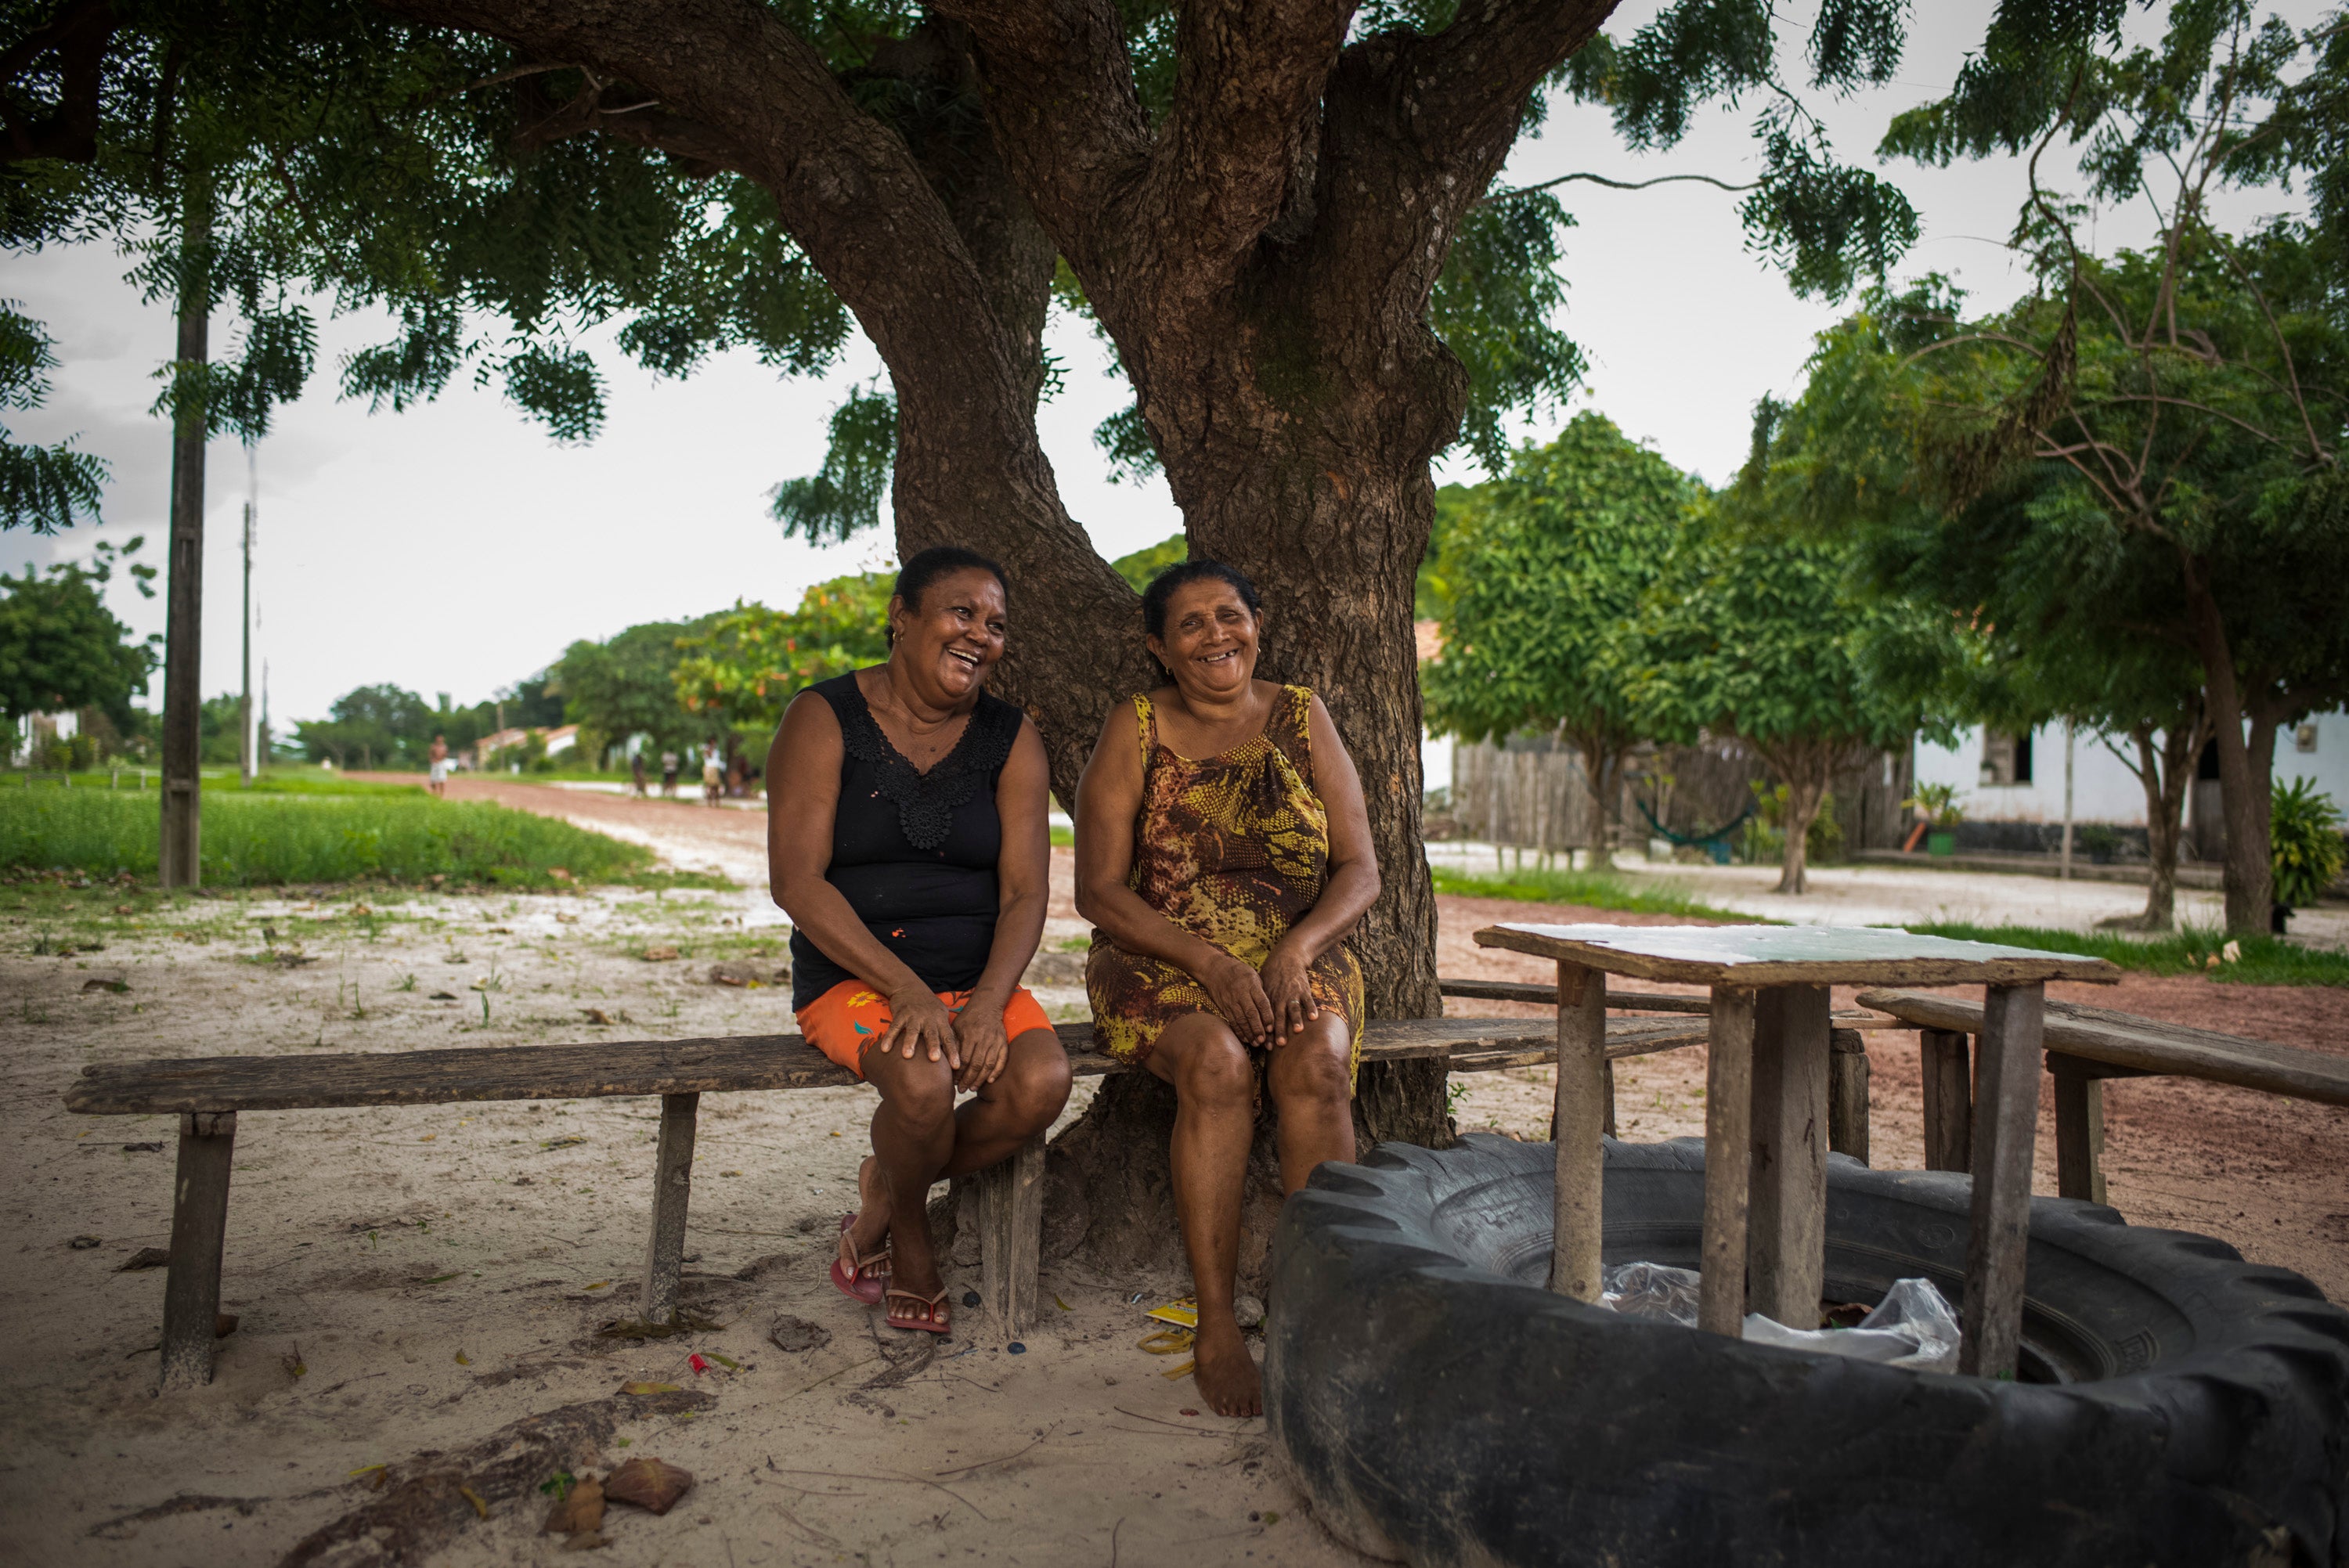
{"points": [[2020, 778]]}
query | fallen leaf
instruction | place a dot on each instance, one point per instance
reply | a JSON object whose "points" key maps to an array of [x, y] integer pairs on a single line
{"points": [[558, 874], [480, 1509], [224, 1325], [117, 987], [730, 1172], [567, 919], [651, 1388], [364, 1469], [443, 996], [83, 1244], [659, 954], [502, 931], [156, 1147], [725, 1361], [437, 1279], [464, 1359], [651, 1484], [597, 1015], [1270, 1516], [145, 1258], [599, 1285], [361, 909], [293, 1362], [1063, 1305], [561, 1142], [428, 1138], [126, 909], [578, 1513]]}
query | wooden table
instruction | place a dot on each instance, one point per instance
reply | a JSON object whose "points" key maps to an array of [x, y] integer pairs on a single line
{"points": [[1766, 1113]]}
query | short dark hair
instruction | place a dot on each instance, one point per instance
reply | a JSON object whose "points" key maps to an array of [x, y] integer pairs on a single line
{"points": [[1182, 574], [927, 566]]}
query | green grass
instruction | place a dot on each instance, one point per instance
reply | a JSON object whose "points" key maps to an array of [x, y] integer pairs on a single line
{"points": [[2264, 961], [1595, 889], [263, 837]]}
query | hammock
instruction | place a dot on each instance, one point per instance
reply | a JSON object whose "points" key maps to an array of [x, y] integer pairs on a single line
{"points": [[1715, 843]]}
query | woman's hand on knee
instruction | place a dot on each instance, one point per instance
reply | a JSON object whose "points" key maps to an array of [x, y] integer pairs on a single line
{"points": [[979, 1029], [919, 1020], [1288, 987], [1237, 991]]}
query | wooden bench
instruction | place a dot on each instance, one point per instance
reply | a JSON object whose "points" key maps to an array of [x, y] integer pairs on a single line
{"points": [[209, 1092], [2085, 1045]]}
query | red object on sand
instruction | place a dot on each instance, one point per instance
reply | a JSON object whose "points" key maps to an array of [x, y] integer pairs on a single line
{"points": [[699, 1365]]}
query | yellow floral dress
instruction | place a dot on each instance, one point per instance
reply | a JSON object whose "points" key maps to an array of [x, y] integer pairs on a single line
{"points": [[1234, 849]]}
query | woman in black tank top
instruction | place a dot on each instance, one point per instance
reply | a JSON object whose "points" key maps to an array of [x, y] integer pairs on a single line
{"points": [[907, 841]]}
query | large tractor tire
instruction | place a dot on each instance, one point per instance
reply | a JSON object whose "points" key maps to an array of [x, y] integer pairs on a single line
{"points": [[2176, 1404]]}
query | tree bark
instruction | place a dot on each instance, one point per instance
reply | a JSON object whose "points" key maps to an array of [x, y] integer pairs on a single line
{"points": [[2165, 773], [180, 861], [1600, 752], [2243, 764]]}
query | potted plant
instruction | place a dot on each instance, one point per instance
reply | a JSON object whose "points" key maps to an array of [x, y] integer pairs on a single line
{"points": [[1939, 805], [2304, 838]]}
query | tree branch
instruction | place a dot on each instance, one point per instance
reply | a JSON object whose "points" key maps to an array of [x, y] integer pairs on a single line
{"points": [[78, 34], [1612, 185]]}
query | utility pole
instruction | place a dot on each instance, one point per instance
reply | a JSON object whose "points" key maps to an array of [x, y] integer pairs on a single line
{"points": [[247, 762], [181, 858]]}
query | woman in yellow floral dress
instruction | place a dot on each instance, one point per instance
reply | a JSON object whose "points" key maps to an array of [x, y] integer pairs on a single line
{"points": [[1224, 854]]}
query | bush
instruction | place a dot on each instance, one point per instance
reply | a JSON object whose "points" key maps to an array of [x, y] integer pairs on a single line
{"points": [[261, 839], [2304, 836], [1765, 833]]}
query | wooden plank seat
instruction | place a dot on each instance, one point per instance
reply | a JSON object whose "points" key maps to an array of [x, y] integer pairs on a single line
{"points": [[2087, 1045], [208, 1093]]}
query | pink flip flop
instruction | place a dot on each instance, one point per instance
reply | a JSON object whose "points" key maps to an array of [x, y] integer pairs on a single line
{"points": [[865, 1278]]}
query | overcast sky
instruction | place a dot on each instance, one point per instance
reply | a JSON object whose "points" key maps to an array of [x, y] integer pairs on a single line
{"points": [[459, 548]]}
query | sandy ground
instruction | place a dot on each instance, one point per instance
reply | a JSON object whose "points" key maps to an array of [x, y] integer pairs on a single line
{"points": [[417, 1281]]}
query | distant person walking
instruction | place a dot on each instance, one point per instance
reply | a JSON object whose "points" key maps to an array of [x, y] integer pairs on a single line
{"points": [[668, 775], [438, 774], [713, 776], [636, 774]]}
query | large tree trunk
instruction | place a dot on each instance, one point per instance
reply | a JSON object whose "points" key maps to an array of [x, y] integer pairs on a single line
{"points": [[1600, 755], [181, 858], [2164, 772]]}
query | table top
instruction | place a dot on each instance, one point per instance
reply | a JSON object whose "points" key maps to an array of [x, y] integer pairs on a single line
{"points": [[1793, 956]]}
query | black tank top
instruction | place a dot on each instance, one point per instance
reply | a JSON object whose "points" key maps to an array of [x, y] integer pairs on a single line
{"points": [[914, 853]]}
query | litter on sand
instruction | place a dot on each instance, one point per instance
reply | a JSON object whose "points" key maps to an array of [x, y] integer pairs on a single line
{"points": [[1912, 1326]]}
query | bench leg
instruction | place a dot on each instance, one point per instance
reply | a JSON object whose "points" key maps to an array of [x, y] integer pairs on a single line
{"points": [[1011, 1236], [2012, 1035], [1580, 1112], [2079, 1129], [1786, 1225], [1728, 1159], [1847, 1094], [672, 1191], [1948, 1068], [199, 1230], [1610, 1069]]}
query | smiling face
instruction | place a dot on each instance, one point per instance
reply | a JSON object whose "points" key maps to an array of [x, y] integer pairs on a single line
{"points": [[1209, 643], [950, 640]]}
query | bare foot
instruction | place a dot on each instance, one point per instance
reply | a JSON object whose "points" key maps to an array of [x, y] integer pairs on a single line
{"points": [[871, 1208], [1225, 1370]]}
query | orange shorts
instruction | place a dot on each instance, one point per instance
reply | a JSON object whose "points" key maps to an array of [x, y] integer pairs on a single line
{"points": [[844, 1021]]}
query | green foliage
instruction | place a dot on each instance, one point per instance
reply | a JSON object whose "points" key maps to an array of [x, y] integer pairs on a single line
{"points": [[1543, 567], [1766, 830], [41, 487], [372, 726], [1939, 802], [1492, 307], [2262, 960], [1124, 438], [262, 839], [745, 668], [2304, 836], [1148, 562], [60, 647], [1590, 890], [626, 686], [844, 495], [220, 731]]}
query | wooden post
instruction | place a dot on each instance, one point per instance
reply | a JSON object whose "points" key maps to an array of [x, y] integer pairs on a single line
{"points": [[1011, 1236], [199, 1231], [1581, 1121], [1728, 1138], [1609, 1069], [672, 1192], [1848, 1074], [1949, 1075], [2079, 1129], [181, 849], [1787, 1229], [2013, 1023]]}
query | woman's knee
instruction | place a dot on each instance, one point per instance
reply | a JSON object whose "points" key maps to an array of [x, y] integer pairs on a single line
{"points": [[1035, 1084], [1313, 1068], [919, 1094], [1215, 1069]]}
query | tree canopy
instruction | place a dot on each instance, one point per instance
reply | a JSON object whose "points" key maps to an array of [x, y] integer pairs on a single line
{"points": [[61, 648], [745, 665], [627, 685]]}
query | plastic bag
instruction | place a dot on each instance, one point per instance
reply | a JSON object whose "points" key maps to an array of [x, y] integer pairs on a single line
{"points": [[1912, 1326]]}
